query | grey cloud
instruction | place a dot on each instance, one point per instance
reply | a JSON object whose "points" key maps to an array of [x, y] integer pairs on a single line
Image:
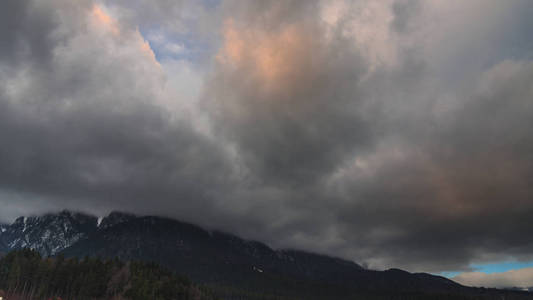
{"points": [[87, 128], [314, 141], [26, 32], [458, 189], [294, 128], [405, 180], [404, 12]]}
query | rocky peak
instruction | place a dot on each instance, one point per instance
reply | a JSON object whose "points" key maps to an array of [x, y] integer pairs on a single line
{"points": [[50, 233]]}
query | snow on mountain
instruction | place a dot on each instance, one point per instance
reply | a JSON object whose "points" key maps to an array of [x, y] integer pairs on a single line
{"points": [[49, 234], [52, 233]]}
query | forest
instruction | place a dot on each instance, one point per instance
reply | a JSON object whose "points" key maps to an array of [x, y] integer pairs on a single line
{"points": [[24, 274]]}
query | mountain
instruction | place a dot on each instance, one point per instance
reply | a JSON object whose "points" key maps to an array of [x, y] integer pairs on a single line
{"points": [[221, 260]]}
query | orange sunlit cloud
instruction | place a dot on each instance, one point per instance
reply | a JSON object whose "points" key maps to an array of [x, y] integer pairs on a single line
{"points": [[272, 56], [104, 20], [146, 49]]}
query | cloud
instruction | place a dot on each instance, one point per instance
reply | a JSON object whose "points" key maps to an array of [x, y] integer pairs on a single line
{"points": [[394, 133], [398, 157], [97, 134], [521, 278], [456, 188], [288, 98]]}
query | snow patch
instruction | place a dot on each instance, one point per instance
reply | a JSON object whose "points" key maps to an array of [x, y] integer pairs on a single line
{"points": [[99, 221], [258, 270]]}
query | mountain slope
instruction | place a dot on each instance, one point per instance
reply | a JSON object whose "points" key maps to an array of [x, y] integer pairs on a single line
{"points": [[223, 260], [206, 256]]}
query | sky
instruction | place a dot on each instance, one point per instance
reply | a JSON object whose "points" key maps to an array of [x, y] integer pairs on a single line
{"points": [[395, 133]]}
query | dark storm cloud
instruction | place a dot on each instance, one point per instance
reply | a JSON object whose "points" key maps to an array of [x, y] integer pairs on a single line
{"points": [[459, 188], [25, 31], [297, 116], [373, 163], [85, 129], [379, 131]]}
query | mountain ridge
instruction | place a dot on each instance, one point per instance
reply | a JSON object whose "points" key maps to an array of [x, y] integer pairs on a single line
{"points": [[214, 257]]}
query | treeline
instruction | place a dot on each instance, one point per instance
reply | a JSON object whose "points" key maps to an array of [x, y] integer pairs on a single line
{"points": [[25, 274]]}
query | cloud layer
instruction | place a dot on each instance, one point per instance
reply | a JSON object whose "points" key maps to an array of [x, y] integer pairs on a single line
{"points": [[393, 133], [521, 278]]}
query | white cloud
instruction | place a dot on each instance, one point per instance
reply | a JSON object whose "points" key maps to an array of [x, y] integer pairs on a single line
{"points": [[522, 278]]}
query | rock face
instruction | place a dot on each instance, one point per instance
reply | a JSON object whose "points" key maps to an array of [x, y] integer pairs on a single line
{"points": [[49, 234]]}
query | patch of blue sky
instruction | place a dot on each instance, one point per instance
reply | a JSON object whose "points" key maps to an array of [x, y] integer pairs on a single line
{"points": [[175, 46], [489, 268], [186, 45], [448, 274], [501, 266]]}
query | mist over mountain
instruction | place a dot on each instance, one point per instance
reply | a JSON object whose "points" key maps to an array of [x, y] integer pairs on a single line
{"points": [[216, 258]]}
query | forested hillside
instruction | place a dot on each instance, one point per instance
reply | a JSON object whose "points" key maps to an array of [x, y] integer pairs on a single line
{"points": [[25, 274]]}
